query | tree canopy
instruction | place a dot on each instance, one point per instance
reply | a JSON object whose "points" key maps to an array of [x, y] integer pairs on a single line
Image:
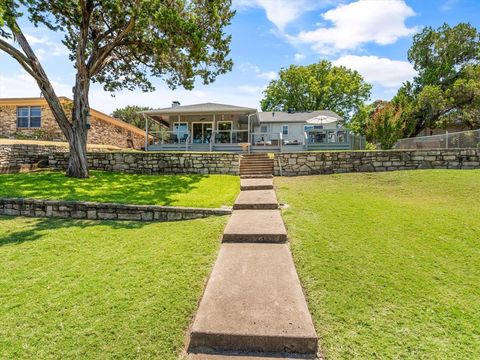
{"points": [[447, 88], [120, 44], [130, 114], [320, 86]]}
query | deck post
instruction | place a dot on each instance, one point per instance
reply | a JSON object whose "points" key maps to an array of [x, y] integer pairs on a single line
{"points": [[146, 132]]}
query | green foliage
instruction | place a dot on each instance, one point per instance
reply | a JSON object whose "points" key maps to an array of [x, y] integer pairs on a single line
{"points": [[318, 86], [101, 289], [130, 114], [447, 88], [127, 41], [385, 125], [173, 190], [389, 261]]}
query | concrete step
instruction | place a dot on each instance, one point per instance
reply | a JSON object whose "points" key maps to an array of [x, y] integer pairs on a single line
{"points": [[256, 165], [256, 176], [256, 184], [256, 200], [253, 302], [248, 356], [258, 226]]}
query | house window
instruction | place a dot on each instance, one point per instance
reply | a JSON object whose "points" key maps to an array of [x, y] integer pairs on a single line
{"points": [[285, 129], [29, 117], [263, 129]]}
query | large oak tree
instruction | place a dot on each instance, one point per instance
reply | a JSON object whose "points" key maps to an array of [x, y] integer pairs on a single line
{"points": [[320, 86], [120, 44]]}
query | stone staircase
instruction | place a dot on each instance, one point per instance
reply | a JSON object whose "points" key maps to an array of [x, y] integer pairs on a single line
{"points": [[253, 306], [256, 166]]}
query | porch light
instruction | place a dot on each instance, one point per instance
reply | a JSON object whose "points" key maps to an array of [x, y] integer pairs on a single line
{"points": [[88, 124]]}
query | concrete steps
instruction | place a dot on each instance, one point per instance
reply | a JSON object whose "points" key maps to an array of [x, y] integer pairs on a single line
{"points": [[253, 302], [255, 226], [256, 164], [256, 200], [257, 176], [256, 184]]}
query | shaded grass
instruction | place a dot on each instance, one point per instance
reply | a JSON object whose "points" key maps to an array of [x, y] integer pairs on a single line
{"points": [[208, 191], [84, 289], [390, 261]]}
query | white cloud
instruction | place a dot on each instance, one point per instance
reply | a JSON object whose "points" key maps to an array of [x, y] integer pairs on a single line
{"points": [[379, 71], [357, 23], [449, 5], [298, 57], [268, 75], [249, 68], [283, 12], [23, 85]]}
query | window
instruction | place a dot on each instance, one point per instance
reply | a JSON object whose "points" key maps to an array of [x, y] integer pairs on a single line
{"points": [[29, 117], [263, 128], [285, 129]]}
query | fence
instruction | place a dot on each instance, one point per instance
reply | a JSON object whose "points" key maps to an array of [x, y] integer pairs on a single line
{"points": [[456, 140]]}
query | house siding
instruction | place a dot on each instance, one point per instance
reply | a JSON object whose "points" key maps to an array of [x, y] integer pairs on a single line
{"points": [[101, 132]]}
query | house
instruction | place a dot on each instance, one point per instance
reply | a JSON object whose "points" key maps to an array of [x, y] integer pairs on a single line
{"points": [[32, 118], [221, 127]]}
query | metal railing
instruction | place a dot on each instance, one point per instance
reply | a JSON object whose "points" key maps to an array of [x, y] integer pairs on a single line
{"points": [[229, 136], [455, 140], [164, 137], [332, 136]]}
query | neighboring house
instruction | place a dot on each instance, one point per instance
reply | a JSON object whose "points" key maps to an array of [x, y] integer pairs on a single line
{"points": [[32, 117], [220, 127]]}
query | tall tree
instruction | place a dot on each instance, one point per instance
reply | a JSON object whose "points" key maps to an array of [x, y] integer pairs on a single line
{"points": [[120, 43], [447, 88], [318, 86]]}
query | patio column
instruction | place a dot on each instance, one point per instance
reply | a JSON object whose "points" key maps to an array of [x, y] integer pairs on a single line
{"points": [[146, 132]]}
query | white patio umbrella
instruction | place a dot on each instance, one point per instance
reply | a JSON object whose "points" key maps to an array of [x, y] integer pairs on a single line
{"points": [[321, 119]]}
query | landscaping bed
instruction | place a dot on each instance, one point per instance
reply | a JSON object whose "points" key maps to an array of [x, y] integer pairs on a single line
{"points": [[202, 191], [389, 261], [110, 289]]}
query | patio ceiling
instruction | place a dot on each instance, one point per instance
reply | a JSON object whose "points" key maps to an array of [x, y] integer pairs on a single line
{"points": [[201, 109]]}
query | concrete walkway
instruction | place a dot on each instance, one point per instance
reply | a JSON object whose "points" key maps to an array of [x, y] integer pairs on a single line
{"points": [[253, 302]]}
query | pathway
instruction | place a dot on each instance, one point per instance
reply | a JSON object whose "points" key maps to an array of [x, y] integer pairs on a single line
{"points": [[253, 302]]}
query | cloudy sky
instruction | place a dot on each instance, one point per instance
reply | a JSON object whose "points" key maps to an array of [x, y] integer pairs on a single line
{"points": [[371, 36]]}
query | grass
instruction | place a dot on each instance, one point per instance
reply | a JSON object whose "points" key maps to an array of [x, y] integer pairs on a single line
{"points": [[208, 191], [89, 290], [390, 261]]}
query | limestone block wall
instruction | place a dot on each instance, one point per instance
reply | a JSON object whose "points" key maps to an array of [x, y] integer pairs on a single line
{"points": [[311, 163], [102, 211], [157, 163]]}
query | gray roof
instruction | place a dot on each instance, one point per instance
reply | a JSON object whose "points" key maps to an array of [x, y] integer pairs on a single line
{"points": [[201, 109], [271, 117]]}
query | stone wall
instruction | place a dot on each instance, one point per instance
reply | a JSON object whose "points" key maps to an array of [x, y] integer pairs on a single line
{"points": [[311, 163], [102, 211], [156, 162], [104, 129]]}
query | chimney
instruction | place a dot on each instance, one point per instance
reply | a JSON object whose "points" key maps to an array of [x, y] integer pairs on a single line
{"points": [[175, 103]]}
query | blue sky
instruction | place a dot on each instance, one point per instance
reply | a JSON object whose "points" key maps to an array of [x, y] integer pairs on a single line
{"points": [[371, 36]]}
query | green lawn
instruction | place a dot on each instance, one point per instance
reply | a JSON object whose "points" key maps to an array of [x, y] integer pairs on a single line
{"points": [[209, 191], [89, 290], [390, 262]]}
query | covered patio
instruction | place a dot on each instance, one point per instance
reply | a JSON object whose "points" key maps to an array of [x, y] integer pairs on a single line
{"points": [[200, 127]]}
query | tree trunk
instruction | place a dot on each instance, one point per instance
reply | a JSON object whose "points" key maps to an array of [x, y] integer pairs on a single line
{"points": [[77, 139]]}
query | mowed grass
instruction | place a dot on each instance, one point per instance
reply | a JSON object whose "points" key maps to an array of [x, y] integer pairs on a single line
{"points": [[208, 191], [101, 290], [390, 261]]}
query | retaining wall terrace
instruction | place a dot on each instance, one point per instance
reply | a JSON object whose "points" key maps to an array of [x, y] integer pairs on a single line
{"points": [[312, 163], [157, 162], [102, 211]]}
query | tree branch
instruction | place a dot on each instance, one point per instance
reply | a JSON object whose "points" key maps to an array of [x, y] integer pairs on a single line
{"points": [[17, 55]]}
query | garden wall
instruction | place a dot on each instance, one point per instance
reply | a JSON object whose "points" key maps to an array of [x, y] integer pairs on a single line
{"points": [[102, 211], [157, 162], [311, 163]]}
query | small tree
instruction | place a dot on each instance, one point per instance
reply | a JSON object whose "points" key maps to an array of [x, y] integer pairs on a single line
{"points": [[319, 86], [386, 125], [119, 43], [130, 114]]}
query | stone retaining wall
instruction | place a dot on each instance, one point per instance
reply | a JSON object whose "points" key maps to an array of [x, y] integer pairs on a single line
{"points": [[102, 211], [311, 163], [157, 162]]}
